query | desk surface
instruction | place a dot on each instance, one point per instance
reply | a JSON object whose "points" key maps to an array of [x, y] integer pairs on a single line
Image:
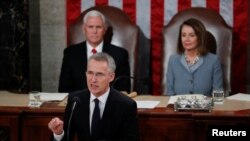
{"points": [[8, 99], [13, 99]]}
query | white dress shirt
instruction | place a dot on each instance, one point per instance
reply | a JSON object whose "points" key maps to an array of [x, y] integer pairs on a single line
{"points": [[102, 103], [97, 48]]}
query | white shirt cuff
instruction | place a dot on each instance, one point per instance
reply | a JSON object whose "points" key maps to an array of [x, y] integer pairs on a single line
{"points": [[58, 137]]}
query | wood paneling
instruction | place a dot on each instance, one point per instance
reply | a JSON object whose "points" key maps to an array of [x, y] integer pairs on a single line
{"points": [[159, 124]]}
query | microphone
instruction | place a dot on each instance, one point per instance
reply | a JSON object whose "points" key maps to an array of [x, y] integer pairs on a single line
{"points": [[122, 77], [134, 83], [75, 101]]}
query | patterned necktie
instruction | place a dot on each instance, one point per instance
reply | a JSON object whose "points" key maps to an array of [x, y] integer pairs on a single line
{"points": [[95, 119], [94, 51]]}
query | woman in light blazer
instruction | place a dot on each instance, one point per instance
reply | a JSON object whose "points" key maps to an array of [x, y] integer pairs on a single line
{"points": [[193, 69]]}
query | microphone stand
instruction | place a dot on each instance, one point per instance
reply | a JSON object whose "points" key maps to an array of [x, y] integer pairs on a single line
{"points": [[134, 83], [122, 77], [76, 100]]}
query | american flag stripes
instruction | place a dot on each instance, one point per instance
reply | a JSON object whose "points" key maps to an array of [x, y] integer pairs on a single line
{"points": [[152, 15]]}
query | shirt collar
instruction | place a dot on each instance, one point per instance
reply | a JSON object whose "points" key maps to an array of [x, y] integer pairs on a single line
{"points": [[103, 98], [194, 67], [98, 48]]}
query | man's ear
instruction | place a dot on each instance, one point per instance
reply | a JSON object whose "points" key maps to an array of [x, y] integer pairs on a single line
{"points": [[112, 77]]}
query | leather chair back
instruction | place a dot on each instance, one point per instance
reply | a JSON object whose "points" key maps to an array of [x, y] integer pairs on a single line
{"points": [[219, 36], [121, 32]]}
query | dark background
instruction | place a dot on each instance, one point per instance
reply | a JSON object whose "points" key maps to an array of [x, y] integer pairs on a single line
{"points": [[14, 48]]}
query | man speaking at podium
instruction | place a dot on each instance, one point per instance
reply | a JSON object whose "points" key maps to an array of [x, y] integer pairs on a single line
{"points": [[99, 113]]}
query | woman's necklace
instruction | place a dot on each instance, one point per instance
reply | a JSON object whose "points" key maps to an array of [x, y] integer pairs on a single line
{"points": [[193, 61]]}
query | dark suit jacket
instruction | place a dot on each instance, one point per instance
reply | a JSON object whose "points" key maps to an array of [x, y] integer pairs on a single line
{"points": [[118, 123], [74, 66]]}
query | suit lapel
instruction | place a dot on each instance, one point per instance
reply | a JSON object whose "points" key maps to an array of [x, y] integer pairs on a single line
{"points": [[85, 111], [197, 65], [108, 107], [79, 56], [194, 67], [107, 113], [184, 63]]}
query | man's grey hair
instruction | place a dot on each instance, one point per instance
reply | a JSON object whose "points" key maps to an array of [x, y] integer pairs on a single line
{"points": [[94, 13], [101, 56]]}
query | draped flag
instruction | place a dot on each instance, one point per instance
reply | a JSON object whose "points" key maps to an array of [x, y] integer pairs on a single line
{"points": [[152, 15]]}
